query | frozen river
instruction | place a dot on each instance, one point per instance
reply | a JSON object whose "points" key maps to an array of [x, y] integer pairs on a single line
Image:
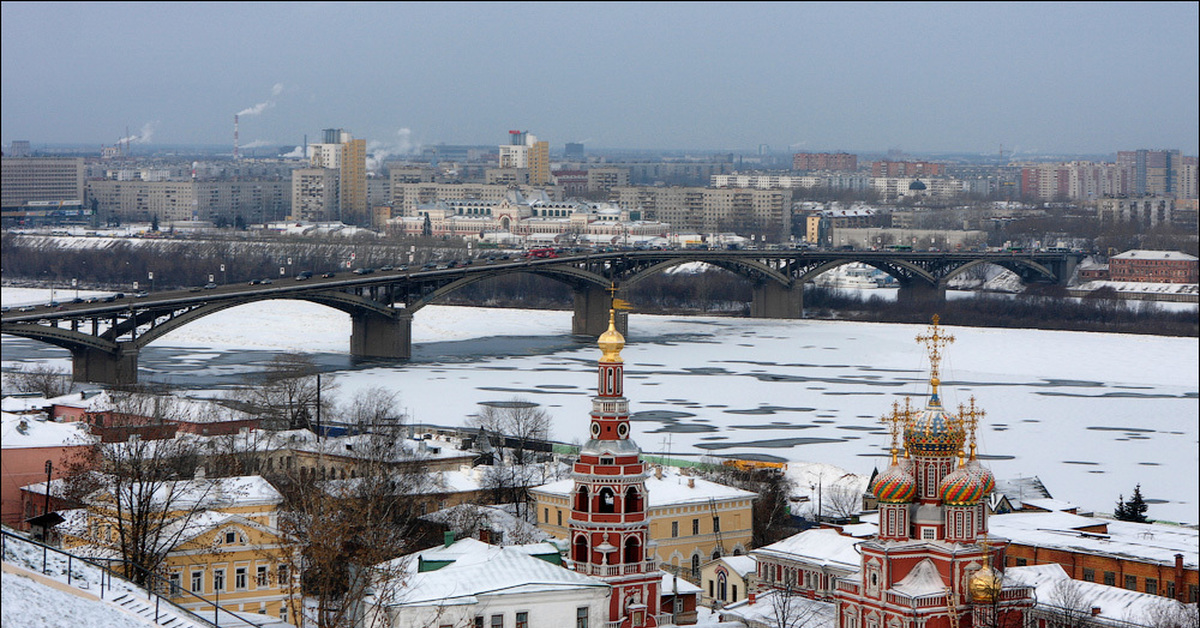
{"points": [[1092, 415]]}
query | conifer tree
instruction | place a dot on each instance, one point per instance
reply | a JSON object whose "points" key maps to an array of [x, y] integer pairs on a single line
{"points": [[1133, 510]]}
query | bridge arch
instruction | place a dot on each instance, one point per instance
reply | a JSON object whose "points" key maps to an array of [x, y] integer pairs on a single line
{"points": [[348, 303], [903, 271], [575, 278], [1025, 269], [62, 338], [753, 270]]}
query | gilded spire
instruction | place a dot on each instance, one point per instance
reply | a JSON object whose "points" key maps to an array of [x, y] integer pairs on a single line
{"points": [[934, 340], [969, 416], [896, 421]]}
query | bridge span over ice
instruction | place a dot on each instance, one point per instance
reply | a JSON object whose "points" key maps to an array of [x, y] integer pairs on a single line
{"points": [[104, 338]]}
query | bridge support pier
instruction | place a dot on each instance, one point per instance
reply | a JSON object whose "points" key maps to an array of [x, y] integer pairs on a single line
{"points": [[96, 366], [772, 300], [375, 336], [591, 313], [918, 291]]}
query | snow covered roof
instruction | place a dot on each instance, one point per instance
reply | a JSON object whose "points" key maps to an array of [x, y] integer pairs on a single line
{"points": [[672, 489], [1155, 255], [1019, 489], [1115, 603], [477, 569], [821, 546], [764, 611], [493, 518], [238, 491], [21, 431], [924, 579], [741, 565], [672, 584], [1049, 504], [23, 403], [1138, 541]]}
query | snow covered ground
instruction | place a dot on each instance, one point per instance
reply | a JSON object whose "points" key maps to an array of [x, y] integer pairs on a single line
{"points": [[1091, 414]]}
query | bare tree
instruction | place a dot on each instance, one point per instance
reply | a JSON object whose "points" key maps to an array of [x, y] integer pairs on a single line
{"points": [[519, 423], [347, 534], [43, 379], [291, 395], [842, 499], [791, 609], [142, 493], [1068, 606], [1170, 614], [373, 408]]}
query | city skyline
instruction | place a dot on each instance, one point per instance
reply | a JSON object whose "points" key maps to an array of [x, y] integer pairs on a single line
{"points": [[1033, 78]]}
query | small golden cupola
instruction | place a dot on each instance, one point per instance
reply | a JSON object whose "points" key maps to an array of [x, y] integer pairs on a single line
{"points": [[611, 342]]}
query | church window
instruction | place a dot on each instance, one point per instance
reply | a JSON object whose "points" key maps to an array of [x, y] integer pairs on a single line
{"points": [[633, 500], [1110, 578], [927, 533], [607, 501], [695, 526], [695, 565], [581, 500], [546, 515], [580, 555], [721, 584], [633, 551]]}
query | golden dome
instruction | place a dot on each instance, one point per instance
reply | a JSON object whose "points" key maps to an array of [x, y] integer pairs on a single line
{"points": [[611, 342], [985, 585]]}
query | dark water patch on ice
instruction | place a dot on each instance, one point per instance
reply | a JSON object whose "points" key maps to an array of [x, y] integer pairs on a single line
{"points": [[769, 410], [1134, 387], [774, 443], [1151, 500], [659, 415], [1031, 420], [1114, 395], [859, 393], [1098, 472], [824, 421], [995, 457], [1083, 462], [875, 369], [865, 416], [676, 400], [771, 426], [1120, 429], [706, 370], [527, 391], [1150, 464], [683, 428], [860, 428], [509, 404], [714, 438], [556, 386], [716, 405], [742, 345]]}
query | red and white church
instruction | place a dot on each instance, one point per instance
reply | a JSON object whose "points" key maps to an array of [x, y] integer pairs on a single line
{"points": [[932, 564]]}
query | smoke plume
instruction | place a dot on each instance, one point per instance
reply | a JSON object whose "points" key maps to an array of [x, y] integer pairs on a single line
{"points": [[142, 137], [276, 90]]}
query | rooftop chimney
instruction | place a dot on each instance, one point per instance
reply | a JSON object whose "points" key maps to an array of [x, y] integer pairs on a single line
{"points": [[1095, 611], [752, 598], [658, 471], [691, 482], [448, 538]]}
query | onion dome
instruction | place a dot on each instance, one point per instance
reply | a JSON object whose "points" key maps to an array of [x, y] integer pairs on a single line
{"points": [[985, 585], [962, 487], [932, 433], [894, 486], [917, 186], [611, 342], [987, 481]]}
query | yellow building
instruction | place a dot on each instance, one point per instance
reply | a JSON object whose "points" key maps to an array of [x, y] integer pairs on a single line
{"points": [[227, 550], [691, 520]]}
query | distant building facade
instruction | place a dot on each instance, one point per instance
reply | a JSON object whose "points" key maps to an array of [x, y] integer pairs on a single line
{"points": [[26, 179], [707, 210], [172, 201], [910, 169], [824, 161], [1153, 267]]}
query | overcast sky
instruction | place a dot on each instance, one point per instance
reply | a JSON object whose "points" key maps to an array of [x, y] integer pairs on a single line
{"points": [[1037, 78]]}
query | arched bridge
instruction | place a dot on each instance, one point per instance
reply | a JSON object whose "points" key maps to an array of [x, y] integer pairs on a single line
{"points": [[104, 338]]}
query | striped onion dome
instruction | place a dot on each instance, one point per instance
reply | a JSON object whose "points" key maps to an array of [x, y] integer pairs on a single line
{"points": [[986, 479], [962, 487], [894, 486], [932, 433]]}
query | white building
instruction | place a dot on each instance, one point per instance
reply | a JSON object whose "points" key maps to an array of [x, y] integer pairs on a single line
{"points": [[471, 583]]}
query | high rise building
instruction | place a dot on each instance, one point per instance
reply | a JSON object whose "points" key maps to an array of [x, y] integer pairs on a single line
{"points": [[341, 152], [609, 528], [1155, 172], [525, 151]]}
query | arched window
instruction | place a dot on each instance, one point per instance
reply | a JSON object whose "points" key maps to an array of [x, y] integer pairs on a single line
{"points": [[633, 551], [607, 502], [695, 565], [580, 555], [633, 500], [581, 499], [721, 583]]}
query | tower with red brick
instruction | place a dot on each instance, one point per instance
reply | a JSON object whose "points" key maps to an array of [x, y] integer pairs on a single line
{"points": [[609, 528]]}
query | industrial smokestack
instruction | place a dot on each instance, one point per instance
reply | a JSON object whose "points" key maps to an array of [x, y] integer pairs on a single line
{"points": [[235, 137]]}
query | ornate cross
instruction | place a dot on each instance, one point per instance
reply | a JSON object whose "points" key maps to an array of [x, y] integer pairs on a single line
{"points": [[934, 340]]}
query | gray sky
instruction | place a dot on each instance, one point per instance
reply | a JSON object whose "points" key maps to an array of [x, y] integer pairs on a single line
{"points": [[1037, 78]]}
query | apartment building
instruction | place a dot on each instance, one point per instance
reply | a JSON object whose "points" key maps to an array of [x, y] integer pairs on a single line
{"points": [[254, 200], [824, 161], [28, 179], [708, 210]]}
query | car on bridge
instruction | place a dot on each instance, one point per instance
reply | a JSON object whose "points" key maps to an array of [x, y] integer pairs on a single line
{"points": [[304, 275]]}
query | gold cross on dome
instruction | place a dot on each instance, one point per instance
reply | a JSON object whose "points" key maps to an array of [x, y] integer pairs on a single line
{"points": [[934, 340], [896, 420], [969, 416]]}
